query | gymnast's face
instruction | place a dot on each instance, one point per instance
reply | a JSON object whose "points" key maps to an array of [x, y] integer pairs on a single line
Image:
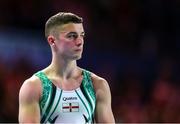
{"points": [[70, 41]]}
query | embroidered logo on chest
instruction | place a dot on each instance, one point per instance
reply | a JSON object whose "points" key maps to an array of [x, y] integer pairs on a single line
{"points": [[70, 107]]}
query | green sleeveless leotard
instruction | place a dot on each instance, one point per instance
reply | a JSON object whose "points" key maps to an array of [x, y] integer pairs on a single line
{"points": [[61, 106]]}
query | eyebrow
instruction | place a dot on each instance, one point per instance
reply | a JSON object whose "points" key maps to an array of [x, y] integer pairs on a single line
{"points": [[73, 32]]}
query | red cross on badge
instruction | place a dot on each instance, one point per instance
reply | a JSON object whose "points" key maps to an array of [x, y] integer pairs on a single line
{"points": [[70, 107]]}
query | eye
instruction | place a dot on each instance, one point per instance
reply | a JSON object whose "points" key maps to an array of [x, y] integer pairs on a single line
{"points": [[72, 36], [82, 35]]}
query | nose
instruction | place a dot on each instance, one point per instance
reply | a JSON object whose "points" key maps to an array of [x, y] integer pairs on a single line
{"points": [[79, 41]]}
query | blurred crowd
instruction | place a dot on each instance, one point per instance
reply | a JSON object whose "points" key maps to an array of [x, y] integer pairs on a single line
{"points": [[11, 80], [135, 45], [154, 100]]}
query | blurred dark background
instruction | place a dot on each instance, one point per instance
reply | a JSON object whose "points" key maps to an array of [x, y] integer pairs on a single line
{"points": [[133, 44]]}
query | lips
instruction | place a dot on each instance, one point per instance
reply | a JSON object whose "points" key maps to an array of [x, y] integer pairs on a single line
{"points": [[78, 49]]}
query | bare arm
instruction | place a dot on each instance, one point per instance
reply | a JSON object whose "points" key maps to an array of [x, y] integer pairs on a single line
{"points": [[29, 111], [103, 113]]}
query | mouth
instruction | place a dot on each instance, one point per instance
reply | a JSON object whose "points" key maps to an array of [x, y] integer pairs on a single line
{"points": [[78, 50]]}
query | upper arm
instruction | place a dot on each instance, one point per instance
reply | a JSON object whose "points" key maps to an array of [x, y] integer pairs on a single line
{"points": [[29, 110], [103, 112]]}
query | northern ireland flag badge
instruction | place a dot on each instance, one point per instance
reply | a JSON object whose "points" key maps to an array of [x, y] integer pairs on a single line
{"points": [[70, 107]]}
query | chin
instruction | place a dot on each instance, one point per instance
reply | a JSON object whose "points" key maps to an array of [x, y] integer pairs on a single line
{"points": [[76, 57], [79, 57]]}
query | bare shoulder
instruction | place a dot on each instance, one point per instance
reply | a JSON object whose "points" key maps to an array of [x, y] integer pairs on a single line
{"points": [[100, 84], [30, 90], [98, 81]]}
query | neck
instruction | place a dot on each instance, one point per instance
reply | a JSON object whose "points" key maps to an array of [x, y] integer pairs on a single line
{"points": [[63, 68]]}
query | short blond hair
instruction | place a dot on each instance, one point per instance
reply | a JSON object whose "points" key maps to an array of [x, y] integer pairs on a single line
{"points": [[59, 19]]}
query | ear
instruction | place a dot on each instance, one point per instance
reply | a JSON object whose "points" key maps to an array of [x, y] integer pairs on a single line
{"points": [[51, 39]]}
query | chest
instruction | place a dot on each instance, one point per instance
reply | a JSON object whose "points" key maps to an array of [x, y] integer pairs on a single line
{"points": [[68, 104], [69, 84]]}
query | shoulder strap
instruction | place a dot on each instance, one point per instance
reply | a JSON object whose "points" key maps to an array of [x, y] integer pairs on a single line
{"points": [[88, 91], [87, 83], [46, 87]]}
